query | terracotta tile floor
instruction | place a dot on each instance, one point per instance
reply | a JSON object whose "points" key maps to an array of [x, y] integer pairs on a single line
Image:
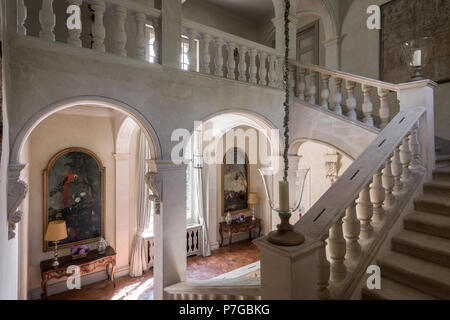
{"points": [[198, 268]]}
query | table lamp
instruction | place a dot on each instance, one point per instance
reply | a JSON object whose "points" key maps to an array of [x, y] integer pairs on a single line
{"points": [[56, 231], [253, 200]]}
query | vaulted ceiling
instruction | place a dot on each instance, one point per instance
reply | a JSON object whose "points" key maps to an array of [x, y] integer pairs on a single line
{"points": [[253, 10]]}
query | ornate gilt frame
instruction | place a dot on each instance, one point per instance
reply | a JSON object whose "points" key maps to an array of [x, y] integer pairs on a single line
{"points": [[102, 170]]}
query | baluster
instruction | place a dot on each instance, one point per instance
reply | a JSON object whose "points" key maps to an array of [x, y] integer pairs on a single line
{"points": [[279, 71], [351, 100], [242, 63], [272, 72], [231, 64], [206, 55], [384, 107], [312, 87], [367, 106], [219, 57], [98, 29], [253, 70], [323, 272], [397, 170], [405, 158], [414, 146], [352, 229], [192, 51], [21, 17], [262, 68], [364, 210], [388, 184], [156, 27], [302, 84], [337, 97], [325, 93], [337, 249], [47, 20], [120, 35], [377, 195], [140, 36]]}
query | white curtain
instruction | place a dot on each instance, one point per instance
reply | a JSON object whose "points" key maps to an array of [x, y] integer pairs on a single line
{"points": [[197, 192], [139, 255]]}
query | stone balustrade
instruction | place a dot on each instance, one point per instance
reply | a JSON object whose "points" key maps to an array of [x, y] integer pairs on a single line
{"points": [[229, 56]]}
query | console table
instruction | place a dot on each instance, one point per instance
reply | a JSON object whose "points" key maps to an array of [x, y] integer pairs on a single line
{"points": [[88, 264], [236, 227]]}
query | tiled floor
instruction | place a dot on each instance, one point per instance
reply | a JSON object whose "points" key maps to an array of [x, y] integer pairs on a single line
{"points": [[198, 268]]}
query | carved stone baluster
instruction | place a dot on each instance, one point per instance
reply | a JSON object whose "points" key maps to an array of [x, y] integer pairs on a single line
{"points": [[192, 51], [262, 68], [312, 87], [364, 210], [414, 146], [98, 28], [140, 36], [21, 17], [325, 93], [337, 250], [323, 274], [302, 84], [272, 72], [47, 20], [337, 97], [367, 106], [388, 184], [352, 229], [384, 107], [351, 100], [242, 63], [219, 57], [253, 70], [156, 27], [231, 63], [397, 170], [279, 72], [120, 35], [405, 158], [377, 195], [206, 58]]}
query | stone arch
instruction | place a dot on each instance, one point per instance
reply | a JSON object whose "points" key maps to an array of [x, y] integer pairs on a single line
{"points": [[297, 143]]}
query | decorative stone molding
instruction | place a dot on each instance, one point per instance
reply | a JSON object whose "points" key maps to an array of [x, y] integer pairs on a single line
{"points": [[17, 191], [332, 165], [155, 184]]}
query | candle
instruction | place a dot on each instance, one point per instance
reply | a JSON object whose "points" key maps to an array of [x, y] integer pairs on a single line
{"points": [[284, 195], [417, 58]]}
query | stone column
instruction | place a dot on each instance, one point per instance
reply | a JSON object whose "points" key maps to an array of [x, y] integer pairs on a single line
{"points": [[170, 227], [278, 22], [171, 33]]}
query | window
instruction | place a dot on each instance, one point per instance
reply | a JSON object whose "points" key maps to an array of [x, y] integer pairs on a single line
{"points": [[150, 36], [184, 53], [189, 212], [148, 232]]}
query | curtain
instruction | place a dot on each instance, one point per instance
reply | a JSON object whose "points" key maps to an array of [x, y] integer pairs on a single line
{"points": [[197, 192], [139, 254]]}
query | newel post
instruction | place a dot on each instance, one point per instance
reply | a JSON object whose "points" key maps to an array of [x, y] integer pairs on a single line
{"points": [[421, 94], [289, 273]]}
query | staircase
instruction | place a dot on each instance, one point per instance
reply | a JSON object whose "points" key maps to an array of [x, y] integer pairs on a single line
{"points": [[418, 266]]}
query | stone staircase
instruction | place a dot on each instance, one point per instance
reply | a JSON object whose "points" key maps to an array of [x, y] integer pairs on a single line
{"points": [[418, 266]]}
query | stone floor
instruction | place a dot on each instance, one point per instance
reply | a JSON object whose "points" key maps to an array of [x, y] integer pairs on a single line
{"points": [[198, 268]]}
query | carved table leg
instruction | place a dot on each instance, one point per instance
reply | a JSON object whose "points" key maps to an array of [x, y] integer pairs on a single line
{"points": [[113, 270], [44, 288], [221, 236], [230, 240]]}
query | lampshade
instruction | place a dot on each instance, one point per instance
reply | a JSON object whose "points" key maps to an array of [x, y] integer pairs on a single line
{"points": [[253, 198], [56, 230]]}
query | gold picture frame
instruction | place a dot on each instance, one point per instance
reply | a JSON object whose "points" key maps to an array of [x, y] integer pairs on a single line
{"points": [[84, 198]]}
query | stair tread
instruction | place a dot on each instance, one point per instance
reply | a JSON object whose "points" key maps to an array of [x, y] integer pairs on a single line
{"points": [[417, 267], [433, 198], [424, 241], [435, 220], [392, 290], [442, 170], [444, 157], [438, 184]]}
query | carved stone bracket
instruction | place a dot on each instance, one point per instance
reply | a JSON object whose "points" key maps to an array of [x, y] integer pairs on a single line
{"points": [[332, 165], [154, 182], [17, 191]]}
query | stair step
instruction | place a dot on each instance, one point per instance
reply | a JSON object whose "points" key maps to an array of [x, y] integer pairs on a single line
{"points": [[433, 204], [434, 224], [423, 276], [391, 290], [423, 246], [440, 188], [443, 161], [442, 174]]}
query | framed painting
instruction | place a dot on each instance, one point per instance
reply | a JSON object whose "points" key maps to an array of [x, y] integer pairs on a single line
{"points": [[74, 191], [404, 20], [235, 182]]}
